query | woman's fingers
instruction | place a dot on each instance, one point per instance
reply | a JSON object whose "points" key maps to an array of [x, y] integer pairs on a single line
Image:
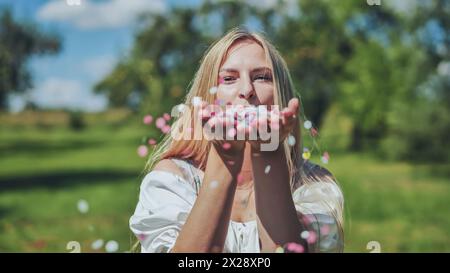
{"points": [[251, 124], [293, 105], [289, 114]]}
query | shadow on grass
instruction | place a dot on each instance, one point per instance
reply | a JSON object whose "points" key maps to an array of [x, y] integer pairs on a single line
{"points": [[40, 147], [437, 170], [65, 179], [4, 211]]}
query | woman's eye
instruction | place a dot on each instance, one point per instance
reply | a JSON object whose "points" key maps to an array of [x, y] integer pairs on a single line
{"points": [[263, 78], [228, 79]]}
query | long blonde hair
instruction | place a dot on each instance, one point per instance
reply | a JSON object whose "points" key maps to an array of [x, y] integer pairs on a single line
{"points": [[301, 172]]}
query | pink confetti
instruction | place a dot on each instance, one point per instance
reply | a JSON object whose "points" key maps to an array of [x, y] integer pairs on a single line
{"points": [[275, 125], [308, 219], [160, 123], [325, 229], [294, 247], [325, 158], [151, 141], [142, 150], [240, 178], [231, 133], [311, 238], [148, 119], [141, 237], [226, 146], [166, 116], [165, 129]]}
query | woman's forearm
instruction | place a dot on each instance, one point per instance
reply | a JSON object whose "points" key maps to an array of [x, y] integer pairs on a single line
{"points": [[274, 204], [206, 227]]}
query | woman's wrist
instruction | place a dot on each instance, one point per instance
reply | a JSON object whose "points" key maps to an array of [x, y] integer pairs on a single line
{"points": [[229, 151], [232, 159], [257, 153]]}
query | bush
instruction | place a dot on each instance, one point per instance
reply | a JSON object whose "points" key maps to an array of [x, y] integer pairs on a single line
{"points": [[76, 121]]}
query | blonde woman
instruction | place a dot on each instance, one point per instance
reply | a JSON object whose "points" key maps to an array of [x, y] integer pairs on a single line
{"points": [[202, 195]]}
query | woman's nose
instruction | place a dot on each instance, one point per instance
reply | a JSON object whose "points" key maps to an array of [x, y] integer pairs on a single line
{"points": [[247, 90]]}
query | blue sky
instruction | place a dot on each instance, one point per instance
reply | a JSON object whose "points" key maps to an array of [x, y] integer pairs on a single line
{"points": [[95, 34]]}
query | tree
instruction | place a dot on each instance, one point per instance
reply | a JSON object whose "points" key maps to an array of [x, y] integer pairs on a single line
{"points": [[166, 54], [162, 62], [316, 48], [19, 42], [419, 119]]}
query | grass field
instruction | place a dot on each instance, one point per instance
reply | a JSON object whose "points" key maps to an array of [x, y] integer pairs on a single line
{"points": [[46, 169]]}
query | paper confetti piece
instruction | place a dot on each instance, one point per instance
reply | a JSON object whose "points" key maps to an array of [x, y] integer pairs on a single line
{"points": [[142, 150], [97, 244], [147, 119], [226, 146], [83, 206], [291, 140], [166, 116], [196, 101], [307, 124], [160, 123], [111, 246], [213, 90]]}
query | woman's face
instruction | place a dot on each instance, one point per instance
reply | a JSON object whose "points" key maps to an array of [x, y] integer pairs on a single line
{"points": [[245, 77]]}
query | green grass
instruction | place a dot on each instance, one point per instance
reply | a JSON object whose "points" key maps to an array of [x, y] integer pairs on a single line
{"points": [[43, 174], [402, 206], [44, 171]]}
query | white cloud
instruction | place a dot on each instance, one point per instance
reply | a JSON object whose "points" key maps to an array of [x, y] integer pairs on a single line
{"points": [[94, 15], [16, 103], [98, 67], [67, 93]]}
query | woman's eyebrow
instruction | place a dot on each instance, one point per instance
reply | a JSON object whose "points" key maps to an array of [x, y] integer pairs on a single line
{"points": [[262, 69], [257, 69], [228, 70]]}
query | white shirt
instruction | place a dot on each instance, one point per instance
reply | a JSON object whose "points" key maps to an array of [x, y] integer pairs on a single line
{"points": [[166, 199]]}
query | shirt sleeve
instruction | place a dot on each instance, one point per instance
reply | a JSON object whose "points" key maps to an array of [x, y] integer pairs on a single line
{"points": [[320, 203], [165, 200]]}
